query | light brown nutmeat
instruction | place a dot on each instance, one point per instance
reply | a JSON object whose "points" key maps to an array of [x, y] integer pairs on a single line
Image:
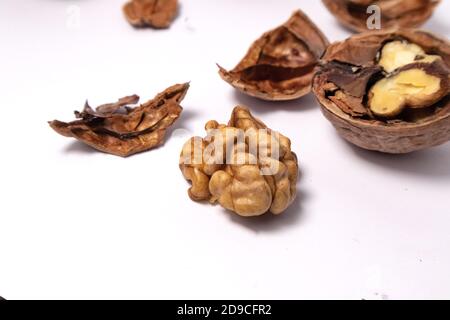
{"points": [[248, 168], [397, 54], [418, 85], [355, 15], [158, 14], [280, 64]]}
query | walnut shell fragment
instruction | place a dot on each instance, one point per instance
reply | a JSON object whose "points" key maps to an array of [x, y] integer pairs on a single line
{"points": [[244, 166], [157, 14], [355, 15], [280, 64], [121, 130], [387, 91]]}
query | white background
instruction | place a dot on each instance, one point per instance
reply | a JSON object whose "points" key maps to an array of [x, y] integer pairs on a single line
{"points": [[76, 223]]}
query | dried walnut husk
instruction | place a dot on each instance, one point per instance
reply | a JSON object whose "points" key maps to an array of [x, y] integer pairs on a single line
{"points": [[157, 14], [265, 179], [394, 13], [387, 90], [121, 130], [280, 64]]}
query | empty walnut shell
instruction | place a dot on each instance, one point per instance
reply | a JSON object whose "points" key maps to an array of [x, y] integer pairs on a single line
{"points": [[121, 130], [244, 166], [280, 65], [350, 70], [394, 13], [157, 14]]}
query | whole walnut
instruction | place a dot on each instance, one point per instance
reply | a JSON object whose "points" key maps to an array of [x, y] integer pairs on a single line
{"points": [[244, 166]]}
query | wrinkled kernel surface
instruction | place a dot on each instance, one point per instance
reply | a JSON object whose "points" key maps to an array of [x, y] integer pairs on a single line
{"points": [[250, 176]]}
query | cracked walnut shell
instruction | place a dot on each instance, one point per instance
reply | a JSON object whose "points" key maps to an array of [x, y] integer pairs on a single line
{"points": [[387, 90], [244, 166], [121, 130], [280, 64], [157, 14], [354, 14]]}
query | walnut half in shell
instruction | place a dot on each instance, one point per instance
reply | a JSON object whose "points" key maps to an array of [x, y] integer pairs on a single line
{"points": [[387, 91], [393, 13], [244, 166], [280, 65]]}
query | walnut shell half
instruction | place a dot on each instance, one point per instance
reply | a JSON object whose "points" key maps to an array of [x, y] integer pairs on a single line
{"points": [[280, 65], [354, 14], [413, 111], [122, 130]]}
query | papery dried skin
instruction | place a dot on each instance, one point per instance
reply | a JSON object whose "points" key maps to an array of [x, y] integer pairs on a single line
{"points": [[280, 64], [351, 79], [107, 110], [132, 131], [158, 14]]}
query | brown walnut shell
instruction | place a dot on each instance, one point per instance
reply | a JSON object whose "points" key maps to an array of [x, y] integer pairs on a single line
{"points": [[394, 13], [121, 130], [280, 65], [344, 102], [157, 14]]}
